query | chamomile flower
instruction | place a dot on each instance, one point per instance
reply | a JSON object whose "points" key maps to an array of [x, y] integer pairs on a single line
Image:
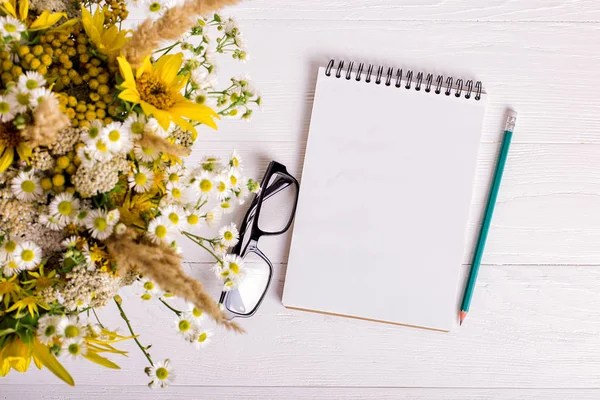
{"points": [[98, 149], [93, 132], [52, 223], [192, 219], [120, 228], [12, 27], [231, 270], [39, 95], [71, 328], [185, 326], [64, 207], [22, 98], [135, 125], [234, 178], [117, 139], [213, 217], [175, 173], [26, 186], [176, 215], [74, 348], [145, 154], [241, 194], [7, 251], [149, 289], [229, 235], [28, 255], [161, 373], [113, 216], [204, 184], [141, 180], [70, 242], [235, 160], [202, 338], [154, 128], [47, 329], [31, 80], [222, 188], [156, 8], [220, 249], [226, 206], [202, 79], [98, 224], [11, 267], [194, 312], [160, 230], [8, 106], [177, 193]]}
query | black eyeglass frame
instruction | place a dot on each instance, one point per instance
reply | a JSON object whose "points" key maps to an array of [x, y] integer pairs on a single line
{"points": [[284, 180]]}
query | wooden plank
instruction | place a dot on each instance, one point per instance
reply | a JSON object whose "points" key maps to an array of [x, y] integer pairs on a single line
{"points": [[430, 10], [547, 209], [56, 392], [529, 327], [549, 82]]}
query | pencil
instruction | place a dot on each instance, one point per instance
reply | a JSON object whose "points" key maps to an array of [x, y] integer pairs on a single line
{"points": [[487, 218]]}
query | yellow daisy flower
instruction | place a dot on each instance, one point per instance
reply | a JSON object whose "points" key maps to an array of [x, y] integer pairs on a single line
{"points": [[106, 40], [41, 280], [9, 288], [30, 303], [21, 11], [156, 88]]}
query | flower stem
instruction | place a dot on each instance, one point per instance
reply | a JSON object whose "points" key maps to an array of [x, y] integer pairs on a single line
{"points": [[132, 332], [97, 319], [199, 243], [177, 312]]}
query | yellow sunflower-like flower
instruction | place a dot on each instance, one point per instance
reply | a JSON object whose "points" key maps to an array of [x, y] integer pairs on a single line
{"points": [[30, 303], [107, 41], [21, 11], [16, 355], [156, 88]]}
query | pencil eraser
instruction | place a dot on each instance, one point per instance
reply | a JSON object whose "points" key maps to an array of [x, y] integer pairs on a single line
{"points": [[511, 120]]}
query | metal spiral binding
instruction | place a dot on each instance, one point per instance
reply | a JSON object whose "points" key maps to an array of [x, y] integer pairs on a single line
{"points": [[460, 88]]}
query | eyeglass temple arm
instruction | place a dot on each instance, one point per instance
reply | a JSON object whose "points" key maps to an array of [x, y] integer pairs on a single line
{"points": [[270, 191]]}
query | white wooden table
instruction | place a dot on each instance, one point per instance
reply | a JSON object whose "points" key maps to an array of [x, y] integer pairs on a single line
{"points": [[534, 328]]}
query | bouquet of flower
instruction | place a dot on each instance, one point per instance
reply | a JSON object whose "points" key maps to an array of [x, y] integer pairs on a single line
{"points": [[96, 123]]}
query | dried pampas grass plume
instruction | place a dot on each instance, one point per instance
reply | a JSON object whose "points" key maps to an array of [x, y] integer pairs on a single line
{"points": [[171, 26], [161, 145], [163, 265], [48, 120]]}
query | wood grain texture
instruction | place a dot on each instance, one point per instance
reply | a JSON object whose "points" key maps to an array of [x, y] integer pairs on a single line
{"points": [[550, 78], [428, 10], [55, 392]]}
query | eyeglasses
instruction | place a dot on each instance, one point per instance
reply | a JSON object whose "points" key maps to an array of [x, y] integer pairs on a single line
{"points": [[271, 213]]}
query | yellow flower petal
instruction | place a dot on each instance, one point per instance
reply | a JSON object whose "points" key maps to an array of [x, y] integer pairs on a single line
{"points": [[162, 116], [126, 73], [167, 68], [23, 9], [145, 67], [49, 361], [131, 95], [18, 355], [46, 20], [9, 6], [6, 159], [195, 112]]}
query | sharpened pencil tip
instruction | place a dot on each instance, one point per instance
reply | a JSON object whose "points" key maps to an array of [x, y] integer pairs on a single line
{"points": [[460, 323], [463, 316]]}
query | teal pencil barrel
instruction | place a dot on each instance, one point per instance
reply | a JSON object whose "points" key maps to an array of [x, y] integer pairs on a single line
{"points": [[487, 220]]}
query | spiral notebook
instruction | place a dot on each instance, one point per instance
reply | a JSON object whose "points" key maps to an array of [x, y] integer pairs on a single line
{"points": [[385, 195]]}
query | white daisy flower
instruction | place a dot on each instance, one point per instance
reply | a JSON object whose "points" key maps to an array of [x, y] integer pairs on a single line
{"points": [[210, 164], [222, 188], [98, 224], [234, 178], [185, 326], [202, 79], [175, 214], [226, 206], [156, 8], [89, 262], [12, 27], [175, 173], [7, 251], [22, 98], [39, 95], [235, 161], [113, 216], [135, 125], [98, 149], [11, 267], [47, 329], [31, 80], [213, 217], [177, 193], [229, 235], [117, 139], [52, 223], [71, 328], [64, 207], [93, 132], [120, 228], [204, 184], [74, 348], [241, 194], [145, 154], [148, 289], [202, 338], [71, 241], [230, 271], [26, 186], [81, 216], [220, 249], [154, 128], [192, 219], [230, 26], [160, 230], [141, 180], [8, 106], [28, 255], [161, 373], [194, 312]]}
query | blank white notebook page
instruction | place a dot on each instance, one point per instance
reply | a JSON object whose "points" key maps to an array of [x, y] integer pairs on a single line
{"points": [[384, 202]]}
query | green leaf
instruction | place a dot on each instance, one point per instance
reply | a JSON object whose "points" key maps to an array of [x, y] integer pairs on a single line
{"points": [[4, 332], [49, 361], [105, 362]]}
